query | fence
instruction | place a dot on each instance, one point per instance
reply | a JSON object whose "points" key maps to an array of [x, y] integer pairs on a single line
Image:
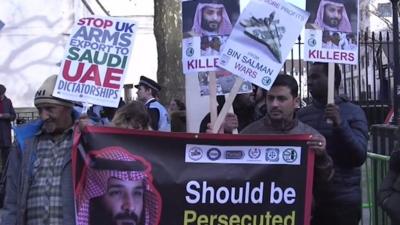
{"points": [[25, 114], [375, 169]]}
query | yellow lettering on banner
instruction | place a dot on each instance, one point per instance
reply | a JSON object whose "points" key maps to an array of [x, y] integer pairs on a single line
{"points": [[290, 218], [223, 220], [191, 217], [277, 220], [245, 217], [234, 220], [202, 220], [212, 219]]}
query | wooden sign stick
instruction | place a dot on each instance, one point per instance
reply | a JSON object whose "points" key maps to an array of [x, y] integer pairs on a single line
{"points": [[212, 87], [331, 86], [228, 104]]}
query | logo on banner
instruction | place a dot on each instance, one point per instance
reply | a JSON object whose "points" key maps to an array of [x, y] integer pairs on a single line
{"points": [[289, 155], [195, 153], [272, 154], [224, 59], [190, 51], [214, 154], [311, 41], [254, 153], [234, 154], [266, 81]]}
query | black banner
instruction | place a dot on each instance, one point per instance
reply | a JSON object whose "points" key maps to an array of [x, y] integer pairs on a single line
{"points": [[145, 177]]}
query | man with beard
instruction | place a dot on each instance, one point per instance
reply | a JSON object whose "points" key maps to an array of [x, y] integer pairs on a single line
{"points": [[281, 101], [117, 189], [39, 177], [211, 19], [332, 16]]}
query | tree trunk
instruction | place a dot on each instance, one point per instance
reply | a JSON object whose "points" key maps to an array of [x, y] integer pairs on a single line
{"points": [[168, 34]]}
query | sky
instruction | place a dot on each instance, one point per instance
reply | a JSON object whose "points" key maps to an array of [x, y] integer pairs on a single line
{"points": [[298, 3]]}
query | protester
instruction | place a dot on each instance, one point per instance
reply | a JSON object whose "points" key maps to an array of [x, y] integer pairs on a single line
{"points": [[147, 93], [7, 115], [338, 201], [250, 107], [178, 121], [332, 16], [230, 121], [389, 191], [133, 115], [103, 115], [282, 100], [177, 112], [39, 180], [117, 188], [176, 105]]}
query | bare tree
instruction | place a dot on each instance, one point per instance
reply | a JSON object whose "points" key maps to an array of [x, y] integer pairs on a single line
{"points": [[168, 34]]}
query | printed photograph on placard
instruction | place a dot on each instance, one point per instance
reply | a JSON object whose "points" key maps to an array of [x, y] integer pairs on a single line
{"points": [[261, 40], [332, 31], [209, 18], [225, 82], [206, 25], [266, 31]]}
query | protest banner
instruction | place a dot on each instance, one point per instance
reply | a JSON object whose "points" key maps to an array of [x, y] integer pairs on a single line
{"points": [[190, 179], [331, 33], [95, 61], [206, 27], [261, 40]]}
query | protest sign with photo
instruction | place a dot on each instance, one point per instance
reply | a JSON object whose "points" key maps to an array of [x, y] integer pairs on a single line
{"points": [[261, 40], [190, 179], [331, 33], [206, 27], [95, 61], [225, 82]]}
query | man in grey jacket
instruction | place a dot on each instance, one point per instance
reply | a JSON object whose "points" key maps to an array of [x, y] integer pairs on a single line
{"points": [[39, 178], [282, 100]]}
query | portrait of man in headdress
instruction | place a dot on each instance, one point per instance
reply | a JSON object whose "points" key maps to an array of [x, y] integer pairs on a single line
{"points": [[332, 16], [209, 19], [118, 189]]}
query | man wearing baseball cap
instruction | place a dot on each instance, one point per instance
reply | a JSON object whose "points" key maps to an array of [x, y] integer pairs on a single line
{"points": [[39, 182], [147, 93]]}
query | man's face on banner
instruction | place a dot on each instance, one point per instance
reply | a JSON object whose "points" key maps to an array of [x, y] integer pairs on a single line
{"points": [[124, 201], [333, 14], [211, 18]]}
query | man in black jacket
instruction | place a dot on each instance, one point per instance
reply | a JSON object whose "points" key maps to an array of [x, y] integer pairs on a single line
{"points": [[389, 191], [339, 200]]}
